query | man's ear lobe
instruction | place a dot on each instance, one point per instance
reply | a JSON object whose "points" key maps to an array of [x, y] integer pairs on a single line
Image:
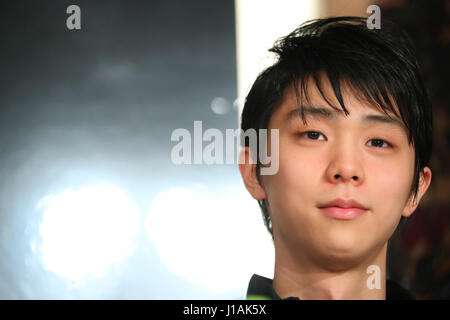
{"points": [[248, 173], [413, 202]]}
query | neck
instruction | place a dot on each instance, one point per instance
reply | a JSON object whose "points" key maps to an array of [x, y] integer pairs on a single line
{"points": [[297, 276]]}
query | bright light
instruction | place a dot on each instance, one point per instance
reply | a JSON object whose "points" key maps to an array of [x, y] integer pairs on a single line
{"points": [[86, 231], [259, 23], [216, 239]]}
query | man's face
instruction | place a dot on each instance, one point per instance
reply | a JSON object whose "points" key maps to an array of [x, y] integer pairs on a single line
{"points": [[362, 156]]}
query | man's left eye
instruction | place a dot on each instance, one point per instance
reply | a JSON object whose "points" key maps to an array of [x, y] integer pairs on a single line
{"points": [[379, 143]]}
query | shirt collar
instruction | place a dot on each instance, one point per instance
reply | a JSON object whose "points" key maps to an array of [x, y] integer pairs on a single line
{"points": [[261, 288]]}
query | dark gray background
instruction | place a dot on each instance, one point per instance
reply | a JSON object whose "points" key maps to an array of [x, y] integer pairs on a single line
{"points": [[101, 103]]}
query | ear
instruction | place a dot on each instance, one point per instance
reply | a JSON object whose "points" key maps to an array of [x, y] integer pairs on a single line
{"points": [[248, 173], [424, 183]]}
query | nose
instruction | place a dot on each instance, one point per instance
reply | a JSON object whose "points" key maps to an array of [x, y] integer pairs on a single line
{"points": [[345, 166]]}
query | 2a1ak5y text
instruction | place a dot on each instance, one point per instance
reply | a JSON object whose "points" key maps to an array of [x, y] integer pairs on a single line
{"points": [[228, 310]]}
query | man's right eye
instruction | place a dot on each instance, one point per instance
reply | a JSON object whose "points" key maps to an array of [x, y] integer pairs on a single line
{"points": [[313, 135]]}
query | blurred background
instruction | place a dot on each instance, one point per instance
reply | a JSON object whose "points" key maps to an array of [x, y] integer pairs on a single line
{"points": [[92, 205]]}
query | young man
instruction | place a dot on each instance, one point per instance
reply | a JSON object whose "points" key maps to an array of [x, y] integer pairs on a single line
{"points": [[355, 133]]}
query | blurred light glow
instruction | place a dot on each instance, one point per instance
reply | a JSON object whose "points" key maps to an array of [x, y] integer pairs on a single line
{"points": [[85, 231], [259, 23], [220, 105], [213, 238]]}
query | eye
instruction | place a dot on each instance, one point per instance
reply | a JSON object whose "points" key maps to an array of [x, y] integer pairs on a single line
{"points": [[380, 143], [313, 135]]}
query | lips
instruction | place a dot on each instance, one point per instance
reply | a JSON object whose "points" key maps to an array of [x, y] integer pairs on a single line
{"points": [[345, 209]]}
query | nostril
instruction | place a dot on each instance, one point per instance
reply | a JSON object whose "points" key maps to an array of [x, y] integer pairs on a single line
{"points": [[337, 176]]}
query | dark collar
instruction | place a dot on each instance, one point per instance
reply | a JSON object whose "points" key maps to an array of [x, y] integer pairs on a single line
{"points": [[261, 288]]}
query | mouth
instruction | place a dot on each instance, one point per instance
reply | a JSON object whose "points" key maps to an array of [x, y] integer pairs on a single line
{"points": [[343, 209]]}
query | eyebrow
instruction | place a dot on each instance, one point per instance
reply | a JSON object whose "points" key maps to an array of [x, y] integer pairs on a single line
{"points": [[328, 114]]}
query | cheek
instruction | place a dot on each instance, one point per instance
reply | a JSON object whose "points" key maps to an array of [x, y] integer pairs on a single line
{"points": [[389, 184], [297, 170], [295, 184]]}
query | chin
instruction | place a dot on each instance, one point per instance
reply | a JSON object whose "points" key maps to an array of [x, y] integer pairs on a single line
{"points": [[345, 247], [340, 257]]}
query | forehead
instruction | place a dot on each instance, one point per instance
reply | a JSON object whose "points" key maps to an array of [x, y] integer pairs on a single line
{"points": [[296, 107]]}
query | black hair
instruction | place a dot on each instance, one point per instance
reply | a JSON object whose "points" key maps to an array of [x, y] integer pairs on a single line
{"points": [[378, 65]]}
